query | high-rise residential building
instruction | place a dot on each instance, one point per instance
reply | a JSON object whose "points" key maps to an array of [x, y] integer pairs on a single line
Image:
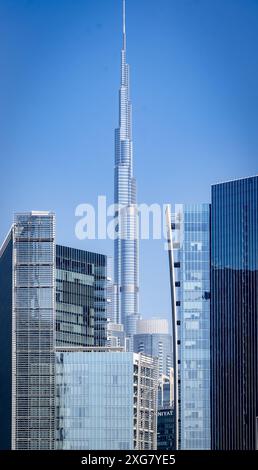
{"points": [[27, 325], [234, 310], [191, 244], [126, 276], [81, 300], [49, 296], [105, 400], [152, 338]]}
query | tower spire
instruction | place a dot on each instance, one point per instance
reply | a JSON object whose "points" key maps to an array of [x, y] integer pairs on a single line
{"points": [[126, 275], [124, 26]]}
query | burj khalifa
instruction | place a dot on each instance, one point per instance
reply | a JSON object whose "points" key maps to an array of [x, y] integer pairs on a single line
{"points": [[126, 244]]}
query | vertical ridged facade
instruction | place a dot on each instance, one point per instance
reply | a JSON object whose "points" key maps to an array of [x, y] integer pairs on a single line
{"points": [[33, 332], [234, 310], [126, 278]]}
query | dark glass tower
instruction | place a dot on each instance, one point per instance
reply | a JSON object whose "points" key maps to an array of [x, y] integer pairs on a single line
{"points": [[165, 429], [27, 324], [234, 310], [80, 297]]}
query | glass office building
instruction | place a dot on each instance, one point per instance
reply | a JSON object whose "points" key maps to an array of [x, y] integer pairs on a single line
{"points": [[234, 350], [191, 228], [49, 296], [80, 297], [126, 270], [166, 390], [98, 405], [33, 316], [165, 429], [27, 321]]}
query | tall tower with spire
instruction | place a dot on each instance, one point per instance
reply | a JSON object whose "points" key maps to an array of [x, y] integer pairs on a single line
{"points": [[126, 245]]}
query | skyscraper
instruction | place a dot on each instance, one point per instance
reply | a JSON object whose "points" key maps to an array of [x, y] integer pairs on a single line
{"points": [[27, 325], [106, 399], [115, 331], [152, 338], [126, 278], [191, 227], [50, 296], [80, 297], [166, 413], [234, 315], [165, 429]]}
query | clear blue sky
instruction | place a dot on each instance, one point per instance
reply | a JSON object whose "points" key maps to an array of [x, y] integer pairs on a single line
{"points": [[194, 82]]}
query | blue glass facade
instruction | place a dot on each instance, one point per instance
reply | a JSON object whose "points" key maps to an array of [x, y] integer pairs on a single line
{"points": [[95, 402], [192, 267], [105, 400], [166, 415], [81, 301], [234, 350]]}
